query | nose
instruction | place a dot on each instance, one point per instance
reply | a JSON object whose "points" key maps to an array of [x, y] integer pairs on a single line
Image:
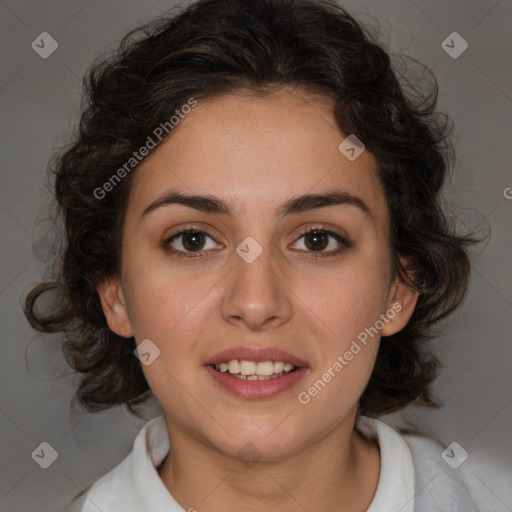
{"points": [[256, 293]]}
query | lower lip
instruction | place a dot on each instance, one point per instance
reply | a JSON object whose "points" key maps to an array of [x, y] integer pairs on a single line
{"points": [[257, 389]]}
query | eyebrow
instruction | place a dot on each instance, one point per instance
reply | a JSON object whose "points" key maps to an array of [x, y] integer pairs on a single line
{"points": [[298, 204]]}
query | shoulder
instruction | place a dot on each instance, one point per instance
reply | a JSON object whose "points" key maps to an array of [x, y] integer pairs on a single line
{"points": [[118, 490], [439, 487], [107, 492], [441, 482]]}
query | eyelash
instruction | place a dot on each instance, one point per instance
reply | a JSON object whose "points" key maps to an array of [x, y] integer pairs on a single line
{"points": [[343, 241]]}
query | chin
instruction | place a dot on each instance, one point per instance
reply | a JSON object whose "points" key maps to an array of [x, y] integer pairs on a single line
{"points": [[268, 444]]}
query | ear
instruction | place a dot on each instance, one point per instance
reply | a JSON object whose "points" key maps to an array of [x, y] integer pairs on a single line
{"points": [[114, 306], [401, 304]]}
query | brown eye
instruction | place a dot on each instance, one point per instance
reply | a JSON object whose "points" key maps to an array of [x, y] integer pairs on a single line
{"points": [[317, 240], [192, 241], [188, 241]]}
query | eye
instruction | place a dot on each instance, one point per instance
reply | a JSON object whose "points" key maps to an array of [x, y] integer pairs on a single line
{"points": [[317, 239], [188, 243]]}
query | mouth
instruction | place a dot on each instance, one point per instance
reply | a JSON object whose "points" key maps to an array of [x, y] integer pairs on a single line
{"points": [[255, 373]]}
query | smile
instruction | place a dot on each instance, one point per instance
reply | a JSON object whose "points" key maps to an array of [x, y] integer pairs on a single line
{"points": [[251, 370], [255, 373]]}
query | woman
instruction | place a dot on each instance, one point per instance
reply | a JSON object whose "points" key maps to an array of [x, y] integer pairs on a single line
{"points": [[254, 237]]}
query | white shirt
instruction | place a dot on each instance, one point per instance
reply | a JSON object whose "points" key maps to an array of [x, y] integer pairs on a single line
{"points": [[413, 476]]}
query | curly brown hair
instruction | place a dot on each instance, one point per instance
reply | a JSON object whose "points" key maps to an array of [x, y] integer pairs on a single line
{"points": [[219, 46]]}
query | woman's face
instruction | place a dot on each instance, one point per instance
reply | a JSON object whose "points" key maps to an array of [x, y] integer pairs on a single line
{"points": [[248, 279]]}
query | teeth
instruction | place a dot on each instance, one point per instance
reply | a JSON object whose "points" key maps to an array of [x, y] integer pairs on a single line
{"points": [[256, 377], [278, 366], [265, 368], [247, 367], [250, 370], [233, 367]]}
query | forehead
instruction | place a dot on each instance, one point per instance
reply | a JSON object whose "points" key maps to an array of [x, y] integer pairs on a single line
{"points": [[256, 152]]}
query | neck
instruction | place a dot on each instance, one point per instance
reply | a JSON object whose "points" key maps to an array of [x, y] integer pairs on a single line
{"points": [[339, 472]]}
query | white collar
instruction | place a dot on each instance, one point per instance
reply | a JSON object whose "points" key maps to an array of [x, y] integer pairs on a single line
{"points": [[395, 489]]}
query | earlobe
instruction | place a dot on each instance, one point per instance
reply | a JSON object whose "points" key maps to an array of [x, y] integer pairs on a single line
{"points": [[114, 306], [401, 305]]}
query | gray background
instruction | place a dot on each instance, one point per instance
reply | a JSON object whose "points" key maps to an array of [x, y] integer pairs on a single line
{"points": [[39, 104]]}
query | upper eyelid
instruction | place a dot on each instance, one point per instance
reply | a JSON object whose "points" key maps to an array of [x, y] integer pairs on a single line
{"points": [[184, 230]]}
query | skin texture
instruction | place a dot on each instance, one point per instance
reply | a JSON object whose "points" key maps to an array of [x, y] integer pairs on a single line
{"points": [[256, 153]]}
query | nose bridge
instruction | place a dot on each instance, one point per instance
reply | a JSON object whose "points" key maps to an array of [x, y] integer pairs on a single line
{"points": [[256, 292]]}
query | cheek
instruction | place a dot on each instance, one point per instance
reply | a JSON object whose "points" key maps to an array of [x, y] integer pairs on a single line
{"points": [[169, 308], [165, 303], [344, 308], [348, 343], [345, 301]]}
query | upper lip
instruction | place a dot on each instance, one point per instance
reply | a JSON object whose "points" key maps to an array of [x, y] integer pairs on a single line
{"points": [[254, 354]]}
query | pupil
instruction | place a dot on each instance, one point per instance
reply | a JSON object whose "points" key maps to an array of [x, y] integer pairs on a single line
{"points": [[316, 237], [193, 241]]}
